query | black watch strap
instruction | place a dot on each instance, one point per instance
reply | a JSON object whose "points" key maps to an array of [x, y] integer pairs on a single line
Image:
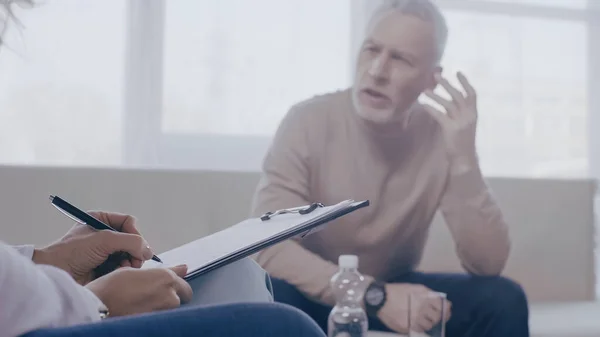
{"points": [[375, 297]]}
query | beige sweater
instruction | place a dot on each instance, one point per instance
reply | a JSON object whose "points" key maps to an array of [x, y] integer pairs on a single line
{"points": [[323, 152]]}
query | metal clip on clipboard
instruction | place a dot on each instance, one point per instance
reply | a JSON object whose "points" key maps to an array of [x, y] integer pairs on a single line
{"points": [[300, 210]]}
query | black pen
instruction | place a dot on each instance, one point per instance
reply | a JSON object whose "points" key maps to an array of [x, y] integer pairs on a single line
{"points": [[82, 217]]}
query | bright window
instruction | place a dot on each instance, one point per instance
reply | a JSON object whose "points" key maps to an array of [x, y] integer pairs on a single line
{"points": [[235, 67], [531, 76], [61, 84], [213, 79]]}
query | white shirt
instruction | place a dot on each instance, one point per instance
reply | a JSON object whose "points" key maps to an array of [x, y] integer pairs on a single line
{"points": [[38, 296]]}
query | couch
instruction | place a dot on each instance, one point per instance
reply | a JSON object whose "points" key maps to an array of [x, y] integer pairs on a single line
{"points": [[552, 225]]}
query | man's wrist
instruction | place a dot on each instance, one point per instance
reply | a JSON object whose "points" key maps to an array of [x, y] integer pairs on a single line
{"points": [[374, 298], [463, 164], [466, 181]]}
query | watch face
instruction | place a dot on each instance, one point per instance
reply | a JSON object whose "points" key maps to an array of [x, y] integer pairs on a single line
{"points": [[374, 296]]}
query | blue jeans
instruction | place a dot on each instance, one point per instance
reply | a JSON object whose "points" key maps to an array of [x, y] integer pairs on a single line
{"points": [[231, 320], [481, 306]]}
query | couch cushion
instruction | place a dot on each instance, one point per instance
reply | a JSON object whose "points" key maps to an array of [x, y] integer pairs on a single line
{"points": [[552, 238], [575, 319]]}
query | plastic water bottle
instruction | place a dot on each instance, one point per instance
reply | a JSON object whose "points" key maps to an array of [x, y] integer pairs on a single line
{"points": [[348, 319]]}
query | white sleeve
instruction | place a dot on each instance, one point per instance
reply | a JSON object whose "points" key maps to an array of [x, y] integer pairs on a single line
{"points": [[25, 250], [38, 296]]}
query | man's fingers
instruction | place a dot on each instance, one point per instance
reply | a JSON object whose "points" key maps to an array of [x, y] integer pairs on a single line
{"points": [[423, 323], [447, 310], [456, 95], [428, 317], [449, 106], [471, 94], [133, 244], [438, 305], [442, 308], [432, 316], [439, 116]]}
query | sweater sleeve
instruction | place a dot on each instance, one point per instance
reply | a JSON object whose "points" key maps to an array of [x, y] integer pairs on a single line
{"points": [[38, 296], [285, 183], [476, 223]]}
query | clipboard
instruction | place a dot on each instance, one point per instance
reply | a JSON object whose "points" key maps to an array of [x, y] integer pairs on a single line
{"points": [[251, 236]]}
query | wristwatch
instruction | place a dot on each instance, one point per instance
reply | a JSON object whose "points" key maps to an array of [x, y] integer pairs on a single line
{"points": [[375, 297]]}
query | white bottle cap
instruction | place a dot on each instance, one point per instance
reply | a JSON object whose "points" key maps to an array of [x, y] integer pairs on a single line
{"points": [[348, 261]]}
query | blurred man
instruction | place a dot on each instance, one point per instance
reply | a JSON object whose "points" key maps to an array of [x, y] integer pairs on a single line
{"points": [[376, 141]]}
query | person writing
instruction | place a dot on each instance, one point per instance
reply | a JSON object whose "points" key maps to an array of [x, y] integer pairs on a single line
{"points": [[376, 141], [61, 276], [55, 291]]}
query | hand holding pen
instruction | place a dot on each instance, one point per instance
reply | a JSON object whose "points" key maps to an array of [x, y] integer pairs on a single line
{"points": [[100, 243]]}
